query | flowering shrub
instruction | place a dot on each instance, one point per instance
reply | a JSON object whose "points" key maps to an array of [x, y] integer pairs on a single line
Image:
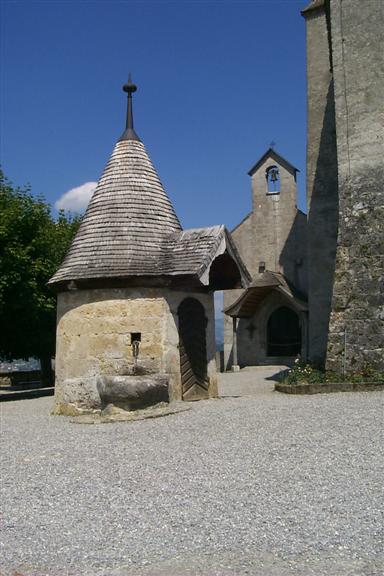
{"points": [[305, 373]]}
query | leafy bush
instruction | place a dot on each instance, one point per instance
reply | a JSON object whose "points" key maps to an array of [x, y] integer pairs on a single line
{"points": [[32, 245]]}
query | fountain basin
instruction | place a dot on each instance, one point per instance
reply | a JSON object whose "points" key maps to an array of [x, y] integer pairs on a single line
{"points": [[132, 392]]}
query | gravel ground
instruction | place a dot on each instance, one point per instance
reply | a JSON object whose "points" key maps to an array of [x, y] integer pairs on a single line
{"points": [[263, 484]]}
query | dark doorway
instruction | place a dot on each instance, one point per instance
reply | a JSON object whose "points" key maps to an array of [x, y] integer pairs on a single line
{"points": [[283, 333], [193, 349]]}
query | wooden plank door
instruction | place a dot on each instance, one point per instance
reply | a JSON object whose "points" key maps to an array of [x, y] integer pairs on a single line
{"points": [[193, 349]]}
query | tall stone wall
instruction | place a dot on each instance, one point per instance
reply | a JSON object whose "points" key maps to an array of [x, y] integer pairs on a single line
{"points": [[94, 330], [322, 183], [356, 332]]}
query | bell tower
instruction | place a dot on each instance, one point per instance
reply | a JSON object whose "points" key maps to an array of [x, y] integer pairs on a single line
{"points": [[274, 212]]}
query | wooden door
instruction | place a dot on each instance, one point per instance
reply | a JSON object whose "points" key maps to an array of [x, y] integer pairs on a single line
{"points": [[193, 349], [283, 333]]}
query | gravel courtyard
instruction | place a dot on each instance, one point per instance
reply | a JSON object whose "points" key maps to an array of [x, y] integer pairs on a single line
{"points": [[255, 483]]}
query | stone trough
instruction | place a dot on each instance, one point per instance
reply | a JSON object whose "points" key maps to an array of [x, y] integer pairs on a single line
{"points": [[132, 392]]}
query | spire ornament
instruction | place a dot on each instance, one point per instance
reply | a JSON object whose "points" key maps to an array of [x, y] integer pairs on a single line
{"points": [[129, 132]]}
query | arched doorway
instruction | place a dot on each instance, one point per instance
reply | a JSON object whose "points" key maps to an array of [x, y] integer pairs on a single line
{"points": [[193, 349], [283, 333]]}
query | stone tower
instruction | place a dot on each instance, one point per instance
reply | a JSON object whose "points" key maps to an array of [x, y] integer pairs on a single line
{"points": [[135, 291], [322, 191], [345, 175], [278, 227]]}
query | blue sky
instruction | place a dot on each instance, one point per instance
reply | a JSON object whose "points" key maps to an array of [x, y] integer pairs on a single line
{"points": [[217, 82]]}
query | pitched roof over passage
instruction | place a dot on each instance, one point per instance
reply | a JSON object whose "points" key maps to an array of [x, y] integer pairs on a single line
{"points": [[200, 252]]}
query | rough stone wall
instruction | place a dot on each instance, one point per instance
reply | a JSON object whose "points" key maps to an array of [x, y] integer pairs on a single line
{"points": [[322, 185], [94, 338], [356, 333]]}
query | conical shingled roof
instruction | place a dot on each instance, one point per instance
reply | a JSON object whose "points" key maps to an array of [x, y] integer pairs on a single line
{"points": [[127, 220], [130, 228]]}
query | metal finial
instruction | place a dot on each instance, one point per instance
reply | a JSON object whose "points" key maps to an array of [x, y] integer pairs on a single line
{"points": [[129, 133], [130, 87], [272, 144]]}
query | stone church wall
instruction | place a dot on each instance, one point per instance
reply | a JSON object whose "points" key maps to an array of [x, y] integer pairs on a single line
{"points": [[252, 334], [94, 330], [273, 220], [322, 184], [356, 334], [230, 296]]}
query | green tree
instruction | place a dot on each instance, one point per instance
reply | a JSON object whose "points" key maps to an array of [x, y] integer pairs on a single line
{"points": [[32, 245]]}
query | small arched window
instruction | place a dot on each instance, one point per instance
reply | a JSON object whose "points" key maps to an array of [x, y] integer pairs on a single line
{"points": [[273, 180]]}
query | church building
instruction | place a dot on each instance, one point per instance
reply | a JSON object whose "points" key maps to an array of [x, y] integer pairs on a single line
{"points": [[268, 323], [317, 288]]}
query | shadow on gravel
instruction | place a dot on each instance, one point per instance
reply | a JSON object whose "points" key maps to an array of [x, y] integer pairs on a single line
{"points": [[279, 376]]}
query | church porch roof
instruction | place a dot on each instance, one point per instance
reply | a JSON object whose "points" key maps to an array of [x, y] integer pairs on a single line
{"points": [[246, 305]]}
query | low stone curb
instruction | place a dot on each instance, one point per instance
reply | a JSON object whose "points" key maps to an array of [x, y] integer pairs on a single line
{"points": [[131, 416], [26, 394], [305, 388]]}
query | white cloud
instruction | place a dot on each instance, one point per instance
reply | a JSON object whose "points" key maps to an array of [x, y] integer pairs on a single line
{"points": [[76, 199]]}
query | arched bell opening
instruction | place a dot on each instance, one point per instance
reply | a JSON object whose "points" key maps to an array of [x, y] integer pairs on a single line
{"points": [[272, 176], [283, 333]]}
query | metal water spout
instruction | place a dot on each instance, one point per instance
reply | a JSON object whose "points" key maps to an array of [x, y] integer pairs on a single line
{"points": [[135, 353]]}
